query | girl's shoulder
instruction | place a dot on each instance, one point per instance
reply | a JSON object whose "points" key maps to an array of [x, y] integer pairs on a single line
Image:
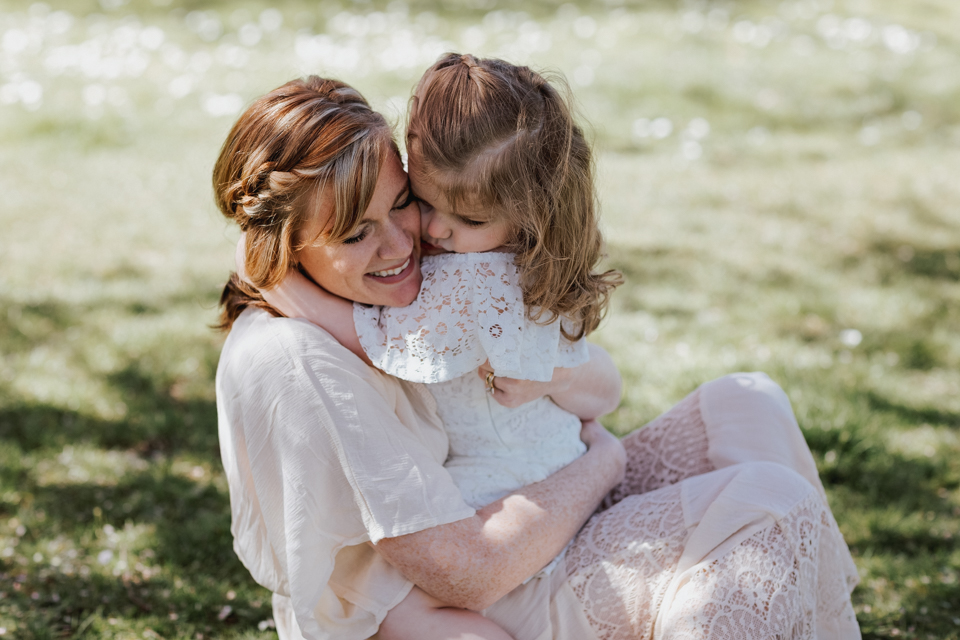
{"points": [[487, 257]]}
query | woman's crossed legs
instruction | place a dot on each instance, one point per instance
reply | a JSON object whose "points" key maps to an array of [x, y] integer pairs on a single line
{"points": [[720, 529]]}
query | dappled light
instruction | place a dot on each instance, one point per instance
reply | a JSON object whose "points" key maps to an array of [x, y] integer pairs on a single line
{"points": [[778, 186]]}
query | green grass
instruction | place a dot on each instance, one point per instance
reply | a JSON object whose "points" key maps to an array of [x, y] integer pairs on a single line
{"points": [[811, 231]]}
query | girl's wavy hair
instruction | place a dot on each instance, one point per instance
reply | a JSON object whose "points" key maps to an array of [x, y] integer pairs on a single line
{"points": [[289, 145], [501, 136]]}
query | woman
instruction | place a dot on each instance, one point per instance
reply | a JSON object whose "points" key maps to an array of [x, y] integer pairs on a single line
{"points": [[340, 502]]}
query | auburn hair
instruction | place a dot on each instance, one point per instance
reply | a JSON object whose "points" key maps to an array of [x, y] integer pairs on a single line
{"points": [[500, 136], [302, 138]]}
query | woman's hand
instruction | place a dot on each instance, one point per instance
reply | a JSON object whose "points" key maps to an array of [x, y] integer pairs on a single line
{"points": [[597, 438], [472, 563], [511, 392]]}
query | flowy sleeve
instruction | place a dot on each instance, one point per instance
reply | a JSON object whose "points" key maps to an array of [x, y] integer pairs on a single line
{"points": [[470, 309]]}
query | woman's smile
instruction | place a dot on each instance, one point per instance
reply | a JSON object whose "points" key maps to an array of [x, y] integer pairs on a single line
{"points": [[380, 263], [402, 270]]}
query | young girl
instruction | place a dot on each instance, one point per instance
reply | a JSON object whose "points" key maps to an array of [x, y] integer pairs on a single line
{"points": [[511, 243]]}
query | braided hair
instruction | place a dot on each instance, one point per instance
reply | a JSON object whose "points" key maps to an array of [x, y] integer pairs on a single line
{"points": [[307, 136]]}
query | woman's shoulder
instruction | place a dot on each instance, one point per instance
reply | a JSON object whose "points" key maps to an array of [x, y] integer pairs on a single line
{"points": [[271, 346]]}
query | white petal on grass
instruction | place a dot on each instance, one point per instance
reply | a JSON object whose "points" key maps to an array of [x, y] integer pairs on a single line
{"points": [[271, 19], [758, 136], [641, 128], [692, 22], [584, 27], [249, 35], [15, 41], [869, 135], [473, 38], [698, 128], [583, 76], [180, 86], [59, 22], [219, 105], [152, 38], [851, 337], [744, 32], [661, 128], [899, 39], [857, 29], [94, 95], [691, 149], [911, 120]]}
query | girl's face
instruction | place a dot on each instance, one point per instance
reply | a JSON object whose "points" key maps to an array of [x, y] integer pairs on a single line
{"points": [[446, 230], [380, 262]]}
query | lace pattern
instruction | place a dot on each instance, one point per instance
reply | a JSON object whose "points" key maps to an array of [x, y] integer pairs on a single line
{"points": [[470, 309], [790, 580], [672, 447]]}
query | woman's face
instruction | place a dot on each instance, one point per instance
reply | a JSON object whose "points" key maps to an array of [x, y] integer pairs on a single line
{"points": [[380, 262]]}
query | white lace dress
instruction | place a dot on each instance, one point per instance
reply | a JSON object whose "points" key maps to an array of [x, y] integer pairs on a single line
{"points": [[470, 309]]}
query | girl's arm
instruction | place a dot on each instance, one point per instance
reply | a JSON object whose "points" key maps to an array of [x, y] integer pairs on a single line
{"points": [[472, 563], [588, 391], [298, 297]]}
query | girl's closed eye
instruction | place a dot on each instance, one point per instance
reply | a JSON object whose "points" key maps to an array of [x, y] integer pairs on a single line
{"points": [[407, 200], [473, 223]]}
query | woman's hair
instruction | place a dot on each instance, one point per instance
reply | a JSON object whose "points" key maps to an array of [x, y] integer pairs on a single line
{"points": [[500, 136], [308, 136]]}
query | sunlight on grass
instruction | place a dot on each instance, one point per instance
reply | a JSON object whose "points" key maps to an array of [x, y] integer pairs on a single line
{"points": [[779, 188]]}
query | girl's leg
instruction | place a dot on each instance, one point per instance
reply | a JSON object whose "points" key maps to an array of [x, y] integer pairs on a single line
{"points": [[746, 552], [420, 616]]}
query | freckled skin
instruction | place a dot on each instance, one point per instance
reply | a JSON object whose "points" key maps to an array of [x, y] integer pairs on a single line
{"points": [[472, 563]]}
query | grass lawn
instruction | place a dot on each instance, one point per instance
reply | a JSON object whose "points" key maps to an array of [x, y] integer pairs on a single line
{"points": [[779, 188]]}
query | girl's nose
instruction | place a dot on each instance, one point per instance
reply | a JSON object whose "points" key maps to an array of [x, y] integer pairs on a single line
{"points": [[433, 225]]}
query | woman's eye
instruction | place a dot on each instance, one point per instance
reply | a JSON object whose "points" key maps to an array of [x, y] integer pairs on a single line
{"points": [[356, 238]]}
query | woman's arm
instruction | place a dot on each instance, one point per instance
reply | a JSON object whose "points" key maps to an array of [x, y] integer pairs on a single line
{"points": [[588, 391], [474, 562]]}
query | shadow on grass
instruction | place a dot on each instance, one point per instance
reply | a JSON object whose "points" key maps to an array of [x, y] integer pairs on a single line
{"points": [[192, 519], [914, 414], [66, 605], [155, 421]]}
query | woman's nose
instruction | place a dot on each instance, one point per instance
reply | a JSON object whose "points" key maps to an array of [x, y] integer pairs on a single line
{"points": [[399, 240]]}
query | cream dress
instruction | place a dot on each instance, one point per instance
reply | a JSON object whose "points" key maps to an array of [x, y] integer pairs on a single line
{"points": [[720, 530]]}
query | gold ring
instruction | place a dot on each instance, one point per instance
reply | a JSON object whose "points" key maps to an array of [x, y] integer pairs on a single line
{"points": [[489, 382]]}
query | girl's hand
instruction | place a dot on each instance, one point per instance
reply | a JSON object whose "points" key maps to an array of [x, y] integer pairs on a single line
{"points": [[512, 393], [588, 391], [240, 258]]}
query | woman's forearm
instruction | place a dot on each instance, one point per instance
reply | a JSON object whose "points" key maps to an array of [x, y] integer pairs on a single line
{"points": [[592, 389], [474, 562]]}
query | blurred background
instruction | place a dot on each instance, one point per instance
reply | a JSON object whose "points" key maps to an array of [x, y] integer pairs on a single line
{"points": [[779, 186]]}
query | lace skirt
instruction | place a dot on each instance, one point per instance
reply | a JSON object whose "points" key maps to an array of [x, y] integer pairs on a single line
{"points": [[721, 529]]}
